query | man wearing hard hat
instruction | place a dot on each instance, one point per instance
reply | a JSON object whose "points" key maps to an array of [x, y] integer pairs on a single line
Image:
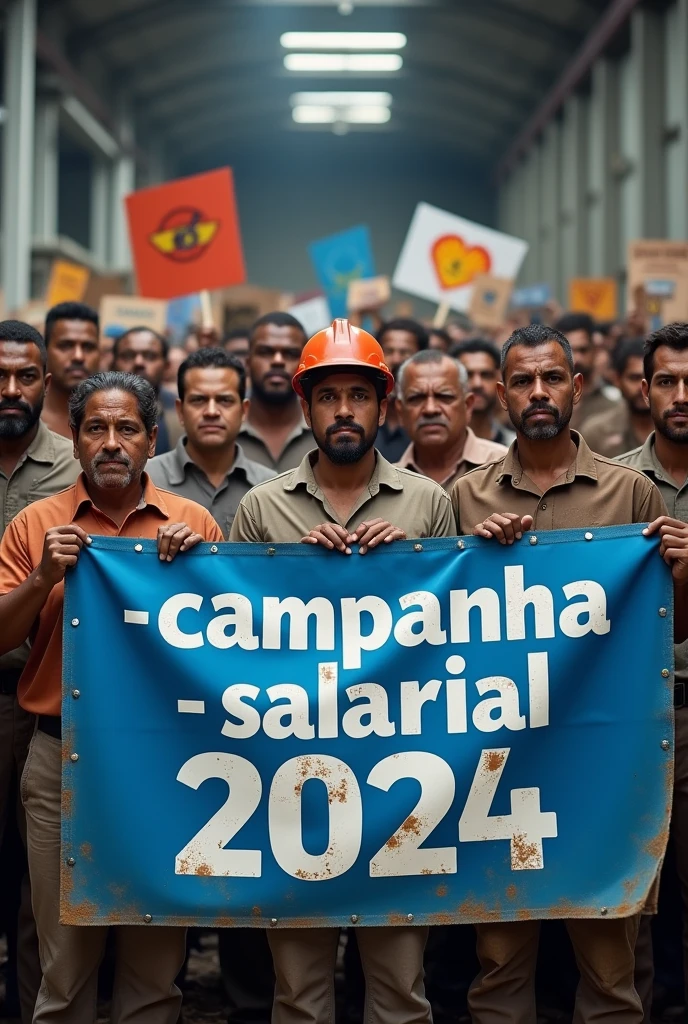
{"points": [[344, 493]]}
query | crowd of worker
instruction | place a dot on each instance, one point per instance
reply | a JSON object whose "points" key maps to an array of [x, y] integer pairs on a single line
{"points": [[348, 441]]}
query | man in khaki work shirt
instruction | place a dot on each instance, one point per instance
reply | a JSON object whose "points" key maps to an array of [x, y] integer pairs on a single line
{"points": [[114, 428], [551, 480], [664, 460], [435, 410], [345, 493], [34, 463]]}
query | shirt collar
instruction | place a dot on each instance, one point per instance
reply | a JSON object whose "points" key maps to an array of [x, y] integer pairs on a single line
{"points": [[42, 448], [583, 464], [181, 459], [647, 458], [151, 497], [384, 475]]}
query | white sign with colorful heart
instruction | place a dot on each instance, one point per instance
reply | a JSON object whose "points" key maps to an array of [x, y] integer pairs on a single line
{"points": [[443, 254]]}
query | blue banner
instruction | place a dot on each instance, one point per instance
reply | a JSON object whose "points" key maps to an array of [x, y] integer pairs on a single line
{"points": [[340, 259], [440, 731]]}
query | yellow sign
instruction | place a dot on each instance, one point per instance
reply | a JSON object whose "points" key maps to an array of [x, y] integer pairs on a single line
{"points": [[597, 296], [68, 283]]}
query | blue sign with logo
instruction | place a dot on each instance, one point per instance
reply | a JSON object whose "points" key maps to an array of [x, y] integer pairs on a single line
{"points": [[441, 731], [340, 259]]}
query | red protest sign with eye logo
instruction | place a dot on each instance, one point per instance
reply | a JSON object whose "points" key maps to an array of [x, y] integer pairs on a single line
{"points": [[185, 236]]}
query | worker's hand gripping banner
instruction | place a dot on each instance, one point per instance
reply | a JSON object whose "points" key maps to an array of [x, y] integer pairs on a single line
{"points": [[441, 731]]}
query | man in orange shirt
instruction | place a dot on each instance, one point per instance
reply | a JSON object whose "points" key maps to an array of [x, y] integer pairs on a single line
{"points": [[113, 419]]}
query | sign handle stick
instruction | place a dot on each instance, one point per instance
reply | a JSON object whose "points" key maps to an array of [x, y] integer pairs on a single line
{"points": [[441, 315], [206, 310]]}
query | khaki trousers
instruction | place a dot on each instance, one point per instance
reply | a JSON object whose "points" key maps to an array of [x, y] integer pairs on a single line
{"points": [[16, 729], [392, 960], [644, 973], [148, 959], [504, 991]]}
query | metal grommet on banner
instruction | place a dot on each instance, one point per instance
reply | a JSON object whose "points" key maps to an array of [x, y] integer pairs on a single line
{"points": [[417, 547], [354, 918], [74, 757], [461, 545], [76, 694], [75, 622], [533, 540], [409, 918], [273, 921], [665, 745], [214, 549], [604, 911], [663, 612], [271, 551], [138, 548], [665, 673], [147, 918], [70, 862], [588, 536]]}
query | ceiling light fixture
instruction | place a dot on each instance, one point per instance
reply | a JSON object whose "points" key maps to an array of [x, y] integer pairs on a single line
{"points": [[323, 114], [343, 62], [343, 40], [341, 99]]}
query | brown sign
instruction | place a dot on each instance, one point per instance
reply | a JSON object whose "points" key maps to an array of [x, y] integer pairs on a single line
{"points": [[658, 279]]}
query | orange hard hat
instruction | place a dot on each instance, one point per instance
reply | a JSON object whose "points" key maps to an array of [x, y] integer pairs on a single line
{"points": [[343, 345]]}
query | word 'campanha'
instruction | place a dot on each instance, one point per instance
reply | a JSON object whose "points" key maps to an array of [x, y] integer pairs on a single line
{"points": [[367, 623]]}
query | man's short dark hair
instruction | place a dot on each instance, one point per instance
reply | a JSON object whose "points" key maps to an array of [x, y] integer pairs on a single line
{"points": [[674, 336], [204, 357], [164, 343], [236, 332], [627, 348], [114, 380], [17, 330], [404, 324], [533, 336], [576, 322], [277, 319], [70, 311], [482, 345]]}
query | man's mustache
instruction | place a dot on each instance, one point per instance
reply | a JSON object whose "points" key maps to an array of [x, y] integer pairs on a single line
{"points": [[432, 421], [16, 406], [335, 428], [123, 459]]}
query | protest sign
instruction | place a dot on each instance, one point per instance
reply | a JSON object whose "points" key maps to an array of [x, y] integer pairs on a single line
{"points": [[340, 259], [371, 293], [442, 731], [443, 254], [67, 282], [597, 296], [313, 314], [119, 313], [531, 296], [664, 264], [185, 236], [490, 301], [100, 285]]}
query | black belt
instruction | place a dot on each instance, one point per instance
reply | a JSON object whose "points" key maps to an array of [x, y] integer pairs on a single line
{"points": [[51, 724], [9, 677], [680, 695]]}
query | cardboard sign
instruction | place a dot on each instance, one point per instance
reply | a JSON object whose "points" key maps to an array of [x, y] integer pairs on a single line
{"points": [[443, 254], [658, 261], [490, 301], [185, 236], [314, 314], [67, 282], [119, 313], [597, 296], [340, 259], [100, 285], [371, 293]]}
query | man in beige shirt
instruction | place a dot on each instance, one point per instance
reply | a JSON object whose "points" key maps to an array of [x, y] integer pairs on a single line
{"points": [[549, 480], [663, 458], [435, 410], [345, 493], [596, 396], [34, 463], [628, 423]]}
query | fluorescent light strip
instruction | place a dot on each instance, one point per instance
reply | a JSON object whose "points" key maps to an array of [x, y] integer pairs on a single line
{"points": [[341, 99], [347, 115], [343, 40], [343, 62]]}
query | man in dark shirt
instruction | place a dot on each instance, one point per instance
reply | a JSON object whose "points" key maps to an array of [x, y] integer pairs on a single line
{"points": [[400, 339]]}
